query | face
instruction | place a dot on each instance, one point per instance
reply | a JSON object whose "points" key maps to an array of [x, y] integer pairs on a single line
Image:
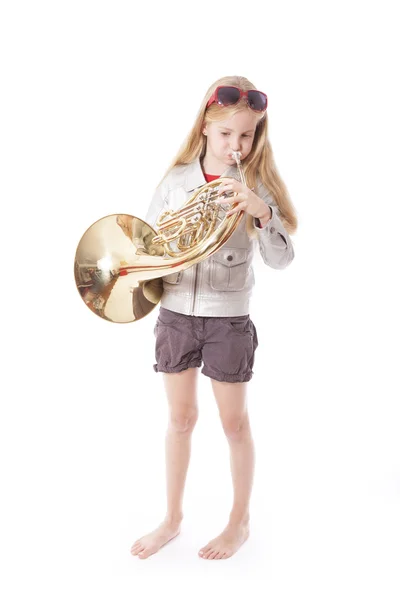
{"points": [[235, 133]]}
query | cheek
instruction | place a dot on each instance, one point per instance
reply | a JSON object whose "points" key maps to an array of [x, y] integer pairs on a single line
{"points": [[217, 142], [221, 143], [248, 146]]}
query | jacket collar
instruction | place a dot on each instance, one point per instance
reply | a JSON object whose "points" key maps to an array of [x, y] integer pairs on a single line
{"points": [[195, 176]]}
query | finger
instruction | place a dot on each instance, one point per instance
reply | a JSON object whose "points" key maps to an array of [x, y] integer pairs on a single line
{"points": [[233, 211], [227, 198], [224, 188], [223, 200], [239, 197], [230, 184], [239, 207]]}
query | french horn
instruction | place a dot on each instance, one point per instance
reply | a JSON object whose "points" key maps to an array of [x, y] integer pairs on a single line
{"points": [[120, 260]]}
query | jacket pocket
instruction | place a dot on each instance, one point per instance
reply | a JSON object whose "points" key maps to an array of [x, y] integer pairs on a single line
{"points": [[229, 270], [173, 278]]}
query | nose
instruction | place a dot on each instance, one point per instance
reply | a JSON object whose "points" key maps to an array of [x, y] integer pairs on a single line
{"points": [[235, 145]]}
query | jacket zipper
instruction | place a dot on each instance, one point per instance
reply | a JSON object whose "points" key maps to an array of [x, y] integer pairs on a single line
{"points": [[194, 292]]}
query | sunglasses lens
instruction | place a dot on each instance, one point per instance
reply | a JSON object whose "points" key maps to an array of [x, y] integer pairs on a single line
{"points": [[228, 95], [257, 100]]}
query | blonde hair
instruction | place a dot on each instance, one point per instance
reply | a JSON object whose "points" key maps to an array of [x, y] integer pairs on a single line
{"points": [[260, 162]]}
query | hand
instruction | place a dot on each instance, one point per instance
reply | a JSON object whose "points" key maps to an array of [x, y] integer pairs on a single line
{"points": [[125, 222], [247, 200]]}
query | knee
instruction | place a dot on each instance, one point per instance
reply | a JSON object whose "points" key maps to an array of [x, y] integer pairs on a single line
{"points": [[183, 422], [236, 428]]}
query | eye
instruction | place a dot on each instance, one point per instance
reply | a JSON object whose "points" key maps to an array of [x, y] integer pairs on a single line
{"points": [[224, 133], [246, 135]]}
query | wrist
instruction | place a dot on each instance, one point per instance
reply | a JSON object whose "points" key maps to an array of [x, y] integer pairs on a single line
{"points": [[267, 216]]}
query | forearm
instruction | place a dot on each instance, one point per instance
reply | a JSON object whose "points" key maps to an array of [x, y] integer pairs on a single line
{"points": [[263, 220], [275, 245]]}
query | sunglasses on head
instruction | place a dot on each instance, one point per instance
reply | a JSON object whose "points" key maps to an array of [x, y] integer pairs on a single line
{"points": [[227, 95]]}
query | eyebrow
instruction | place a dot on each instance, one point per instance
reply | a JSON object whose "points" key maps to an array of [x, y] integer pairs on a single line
{"points": [[248, 131]]}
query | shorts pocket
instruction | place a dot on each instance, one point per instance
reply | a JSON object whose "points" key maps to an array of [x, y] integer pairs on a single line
{"points": [[229, 270], [239, 324]]}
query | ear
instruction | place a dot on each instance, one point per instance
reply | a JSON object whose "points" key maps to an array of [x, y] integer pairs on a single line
{"points": [[204, 129]]}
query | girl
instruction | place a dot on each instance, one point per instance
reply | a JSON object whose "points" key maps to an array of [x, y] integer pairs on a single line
{"points": [[204, 314]]}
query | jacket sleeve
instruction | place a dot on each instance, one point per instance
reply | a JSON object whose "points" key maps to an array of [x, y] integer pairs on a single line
{"points": [[275, 245]]}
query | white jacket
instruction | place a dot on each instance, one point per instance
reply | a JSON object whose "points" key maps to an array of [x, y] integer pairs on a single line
{"points": [[221, 285]]}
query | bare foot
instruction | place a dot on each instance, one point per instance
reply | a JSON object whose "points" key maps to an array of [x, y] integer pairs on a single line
{"points": [[226, 544], [151, 543]]}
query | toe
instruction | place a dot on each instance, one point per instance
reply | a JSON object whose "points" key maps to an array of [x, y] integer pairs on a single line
{"points": [[141, 549], [213, 555], [208, 553], [148, 550], [204, 550]]}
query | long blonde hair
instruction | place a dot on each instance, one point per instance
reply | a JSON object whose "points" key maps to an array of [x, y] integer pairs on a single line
{"points": [[260, 162]]}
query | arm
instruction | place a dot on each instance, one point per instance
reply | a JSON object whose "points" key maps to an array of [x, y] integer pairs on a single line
{"points": [[157, 205], [275, 245]]}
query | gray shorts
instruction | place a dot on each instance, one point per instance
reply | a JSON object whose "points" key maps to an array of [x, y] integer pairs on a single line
{"points": [[224, 345]]}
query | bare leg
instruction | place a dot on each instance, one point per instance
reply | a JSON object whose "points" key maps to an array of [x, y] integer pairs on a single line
{"points": [[231, 400], [182, 398]]}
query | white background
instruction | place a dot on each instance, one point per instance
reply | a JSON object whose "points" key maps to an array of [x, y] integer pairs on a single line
{"points": [[96, 99]]}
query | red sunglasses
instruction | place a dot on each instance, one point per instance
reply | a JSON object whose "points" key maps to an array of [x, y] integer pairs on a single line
{"points": [[227, 95]]}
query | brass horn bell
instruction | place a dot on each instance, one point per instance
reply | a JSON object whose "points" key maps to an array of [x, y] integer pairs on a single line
{"points": [[120, 260]]}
